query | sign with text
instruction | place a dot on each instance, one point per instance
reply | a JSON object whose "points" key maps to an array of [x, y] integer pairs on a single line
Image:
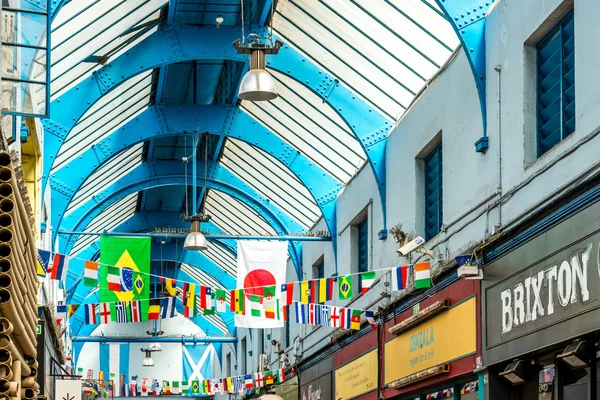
{"points": [[444, 338], [356, 377], [544, 291]]}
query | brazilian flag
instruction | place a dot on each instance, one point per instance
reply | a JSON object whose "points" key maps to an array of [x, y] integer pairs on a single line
{"points": [[132, 256], [195, 389]]}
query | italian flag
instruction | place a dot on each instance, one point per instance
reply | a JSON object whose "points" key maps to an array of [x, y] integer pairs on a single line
{"points": [[255, 306], [422, 275], [114, 279], [366, 279]]}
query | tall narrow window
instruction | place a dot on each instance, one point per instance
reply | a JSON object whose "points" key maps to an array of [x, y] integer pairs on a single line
{"points": [[319, 269], [243, 356], [433, 192], [363, 247], [556, 85], [228, 364]]}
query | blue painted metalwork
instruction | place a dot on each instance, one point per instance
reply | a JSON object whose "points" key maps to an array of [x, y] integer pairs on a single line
{"points": [[168, 173], [170, 120], [467, 17], [186, 43]]}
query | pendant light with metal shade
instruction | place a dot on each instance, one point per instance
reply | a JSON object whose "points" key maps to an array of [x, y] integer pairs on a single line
{"points": [[257, 84], [195, 240]]}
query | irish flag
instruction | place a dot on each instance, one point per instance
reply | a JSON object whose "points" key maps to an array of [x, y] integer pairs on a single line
{"points": [[90, 274], [422, 275]]}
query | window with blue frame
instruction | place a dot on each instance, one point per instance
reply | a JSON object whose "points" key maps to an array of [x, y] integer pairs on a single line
{"points": [[319, 269], [556, 85], [362, 243], [433, 192]]}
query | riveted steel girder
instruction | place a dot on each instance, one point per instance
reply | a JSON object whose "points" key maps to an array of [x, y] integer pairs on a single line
{"points": [[178, 43], [171, 120], [168, 173]]}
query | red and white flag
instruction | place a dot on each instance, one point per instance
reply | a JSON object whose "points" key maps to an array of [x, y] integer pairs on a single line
{"points": [[260, 263], [105, 313]]}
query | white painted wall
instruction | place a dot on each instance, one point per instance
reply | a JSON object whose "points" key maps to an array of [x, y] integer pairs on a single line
{"points": [[450, 108]]}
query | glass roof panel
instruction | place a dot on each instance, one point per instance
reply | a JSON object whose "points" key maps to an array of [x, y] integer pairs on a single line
{"points": [[109, 219], [108, 114], [222, 258], [383, 51], [270, 178], [301, 118], [107, 174], [234, 217], [83, 27]]}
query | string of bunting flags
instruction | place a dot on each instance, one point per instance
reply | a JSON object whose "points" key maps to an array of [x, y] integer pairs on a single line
{"points": [[310, 309], [241, 384]]}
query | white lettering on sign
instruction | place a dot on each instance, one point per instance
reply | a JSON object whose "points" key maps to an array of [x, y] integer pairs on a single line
{"points": [[525, 302]]}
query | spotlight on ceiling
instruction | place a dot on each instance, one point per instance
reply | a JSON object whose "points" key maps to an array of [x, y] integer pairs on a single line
{"points": [[515, 372], [219, 20], [577, 354], [195, 240], [148, 361], [257, 84]]}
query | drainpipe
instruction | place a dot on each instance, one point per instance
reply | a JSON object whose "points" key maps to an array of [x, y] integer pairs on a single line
{"points": [[498, 69]]}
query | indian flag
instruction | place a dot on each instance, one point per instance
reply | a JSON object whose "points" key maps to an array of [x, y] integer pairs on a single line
{"points": [[366, 281], [422, 275], [90, 274]]}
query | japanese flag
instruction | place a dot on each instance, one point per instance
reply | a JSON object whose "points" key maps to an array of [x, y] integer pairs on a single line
{"points": [[260, 263]]}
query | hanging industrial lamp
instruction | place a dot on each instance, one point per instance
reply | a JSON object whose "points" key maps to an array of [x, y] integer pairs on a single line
{"points": [[257, 84], [148, 361], [195, 240]]}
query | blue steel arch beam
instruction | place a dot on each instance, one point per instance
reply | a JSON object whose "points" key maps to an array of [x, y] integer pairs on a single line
{"points": [[168, 173], [180, 43], [171, 120]]}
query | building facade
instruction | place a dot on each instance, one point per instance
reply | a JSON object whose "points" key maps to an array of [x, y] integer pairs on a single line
{"points": [[542, 125]]}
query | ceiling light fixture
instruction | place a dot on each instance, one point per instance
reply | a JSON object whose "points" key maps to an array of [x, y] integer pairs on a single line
{"points": [[148, 361], [257, 84], [195, 240], [515, 372], [219, 20]]}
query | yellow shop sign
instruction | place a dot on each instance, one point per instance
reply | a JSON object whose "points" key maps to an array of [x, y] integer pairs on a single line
{"points": [[356, 377], [444, 338]]}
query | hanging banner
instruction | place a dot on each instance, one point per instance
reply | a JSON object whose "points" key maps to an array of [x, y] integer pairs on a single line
{"points": [[260, 264], [130, 280], [67, 389]]}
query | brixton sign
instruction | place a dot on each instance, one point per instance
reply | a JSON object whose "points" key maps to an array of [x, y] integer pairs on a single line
{"points": [[545, 291]]}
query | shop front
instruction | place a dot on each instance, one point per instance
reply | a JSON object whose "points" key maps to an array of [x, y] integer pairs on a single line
{"points": [[288, 390], [432, 351], [316, 381], [357, 369], [541, 313]]}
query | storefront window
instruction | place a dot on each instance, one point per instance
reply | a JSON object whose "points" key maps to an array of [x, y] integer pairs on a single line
{"points": [[575, 384], [441, 394], [546, 381]]}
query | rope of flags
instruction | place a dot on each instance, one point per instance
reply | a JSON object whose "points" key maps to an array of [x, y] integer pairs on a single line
{"points": [[310, 309], [239, 385]]}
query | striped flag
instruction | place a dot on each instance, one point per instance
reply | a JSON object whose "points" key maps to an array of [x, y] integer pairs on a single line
{"points": [[221, 298], [154, 310], [324, 315], [370, 315], [399, 278], [136, 311], [205, 386], [366, 281], [188, 295], [229, 384], [326, 286], [60, 267], [307, 292], [422, 275], [167, 306], [114, 279], [71, 308], [90, 274], [121, 312], [355, 319], [311, 314], [300, 313], [238, 384], [269, 378], [346, 317], [90, 314], [255, 306], [189, 307], [287, 294], [43, 261], [248, 382], [237, 301], [281, 375]]}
